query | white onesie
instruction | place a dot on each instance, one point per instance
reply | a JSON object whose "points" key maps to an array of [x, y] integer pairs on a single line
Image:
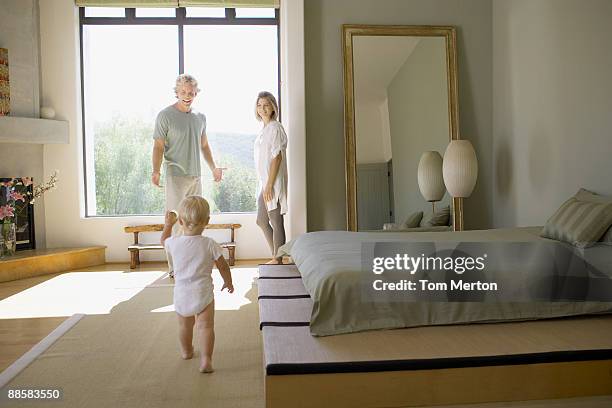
{"points": [[193, 258]]}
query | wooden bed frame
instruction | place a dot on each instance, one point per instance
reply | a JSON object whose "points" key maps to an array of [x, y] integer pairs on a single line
{"points": [[306, 371], [441, 386]]}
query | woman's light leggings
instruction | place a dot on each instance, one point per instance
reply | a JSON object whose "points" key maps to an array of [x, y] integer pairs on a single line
{"points": [[271, 223]]}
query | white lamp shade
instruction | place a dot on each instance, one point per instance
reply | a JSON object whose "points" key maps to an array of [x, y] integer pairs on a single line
{"points": [[460, 168], [429, 175]]}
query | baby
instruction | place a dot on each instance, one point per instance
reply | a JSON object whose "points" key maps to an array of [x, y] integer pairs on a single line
{"points": [[193, 256]]}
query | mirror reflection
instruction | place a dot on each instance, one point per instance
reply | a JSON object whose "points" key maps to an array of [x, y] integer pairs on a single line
{"points": [[401, 119]]}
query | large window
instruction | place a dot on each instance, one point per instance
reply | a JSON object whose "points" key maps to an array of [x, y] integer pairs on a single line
{"points": [[130, 63]]}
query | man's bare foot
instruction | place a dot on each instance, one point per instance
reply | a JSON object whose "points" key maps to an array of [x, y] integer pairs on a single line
{"points": [[206, 366], [275, 261], [187, 355]]}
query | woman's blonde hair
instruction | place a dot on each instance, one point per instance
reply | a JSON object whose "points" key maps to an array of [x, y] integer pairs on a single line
{"points": [[270, 98], [194, 212], [186, 79]]}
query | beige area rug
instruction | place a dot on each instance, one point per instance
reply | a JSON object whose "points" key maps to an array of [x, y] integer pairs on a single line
{"points": [[130, 357]]}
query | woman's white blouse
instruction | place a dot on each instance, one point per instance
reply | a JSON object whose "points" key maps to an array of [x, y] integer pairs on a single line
{"points": [[271, 141]]}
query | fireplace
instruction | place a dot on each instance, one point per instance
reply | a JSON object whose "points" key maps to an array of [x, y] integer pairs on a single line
{"points": [[24, 220]]}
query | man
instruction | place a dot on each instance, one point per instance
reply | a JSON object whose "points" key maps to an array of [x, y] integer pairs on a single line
{"points": [[179, 136]]}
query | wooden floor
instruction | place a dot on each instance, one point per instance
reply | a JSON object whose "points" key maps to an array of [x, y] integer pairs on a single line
{"points": [[17, 336]]}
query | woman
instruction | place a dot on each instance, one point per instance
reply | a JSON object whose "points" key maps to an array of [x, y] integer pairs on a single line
{"points": [[271, 164]]}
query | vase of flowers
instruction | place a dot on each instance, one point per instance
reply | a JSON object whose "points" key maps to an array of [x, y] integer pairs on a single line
{"points": [[15, 196], [8, 239]]}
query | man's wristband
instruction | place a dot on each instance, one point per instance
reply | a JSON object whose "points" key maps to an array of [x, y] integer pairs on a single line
{"points": [[155, 172]]}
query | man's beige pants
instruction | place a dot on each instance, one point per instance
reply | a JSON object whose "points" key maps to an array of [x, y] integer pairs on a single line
{"points": [[177, 188]]}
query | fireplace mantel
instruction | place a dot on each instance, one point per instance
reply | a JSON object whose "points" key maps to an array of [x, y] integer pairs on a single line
{"points": [[32, 130]]}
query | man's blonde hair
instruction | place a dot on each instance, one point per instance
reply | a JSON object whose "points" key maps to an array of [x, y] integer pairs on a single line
{"points": [[186, 79], [194, 212]]}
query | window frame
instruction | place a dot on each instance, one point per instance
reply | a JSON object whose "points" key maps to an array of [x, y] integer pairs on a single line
{"points": [[180, 20]]}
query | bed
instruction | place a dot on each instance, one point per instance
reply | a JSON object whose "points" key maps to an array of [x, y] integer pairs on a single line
{"points": [[330, 264], [321, 349]]}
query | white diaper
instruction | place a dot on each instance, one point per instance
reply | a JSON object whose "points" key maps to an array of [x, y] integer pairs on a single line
{"points": [[191, 300]]}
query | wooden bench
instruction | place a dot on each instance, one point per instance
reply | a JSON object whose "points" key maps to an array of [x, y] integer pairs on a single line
{"points": [[136, 247]]}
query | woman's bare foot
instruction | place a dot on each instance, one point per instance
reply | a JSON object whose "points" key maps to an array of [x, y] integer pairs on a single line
{"points": [[187, 355], [275, 261], [206, 366]]}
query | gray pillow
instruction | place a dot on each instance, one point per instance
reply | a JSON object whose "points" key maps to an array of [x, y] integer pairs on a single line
{"points": [[589, 196], [581, 221], [607, 238], [413, 220], [438, 218], [586, 195]]}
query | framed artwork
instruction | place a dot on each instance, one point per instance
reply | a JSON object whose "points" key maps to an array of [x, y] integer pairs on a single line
{"points": [[24, 220], [5, 89]]}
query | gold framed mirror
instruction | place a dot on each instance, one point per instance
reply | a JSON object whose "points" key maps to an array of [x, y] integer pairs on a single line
{"points": [[400, 105]]}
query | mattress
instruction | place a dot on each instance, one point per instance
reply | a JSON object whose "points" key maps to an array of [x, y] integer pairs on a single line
{"points": [[292, 350], [278, 272], [330, 264], [284, 312], [281, 288]]}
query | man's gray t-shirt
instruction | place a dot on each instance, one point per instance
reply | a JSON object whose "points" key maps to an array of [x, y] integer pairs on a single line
{"points": [[181, 132]]}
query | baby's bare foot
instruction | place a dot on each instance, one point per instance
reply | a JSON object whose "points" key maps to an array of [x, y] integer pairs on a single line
{"points": [[187, 355], [206, 366]]}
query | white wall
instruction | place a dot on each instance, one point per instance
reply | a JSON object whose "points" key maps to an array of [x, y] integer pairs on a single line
{"points": [[19, 34], [65, 223], [293, 106], [419, 121], [376, 61], [370, 137], [383, 111], [552, 110]]}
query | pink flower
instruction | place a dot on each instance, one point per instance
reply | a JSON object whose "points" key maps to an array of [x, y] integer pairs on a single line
{"points": [[27, 181], [6, 212], [15, 195], [6, 183]]}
